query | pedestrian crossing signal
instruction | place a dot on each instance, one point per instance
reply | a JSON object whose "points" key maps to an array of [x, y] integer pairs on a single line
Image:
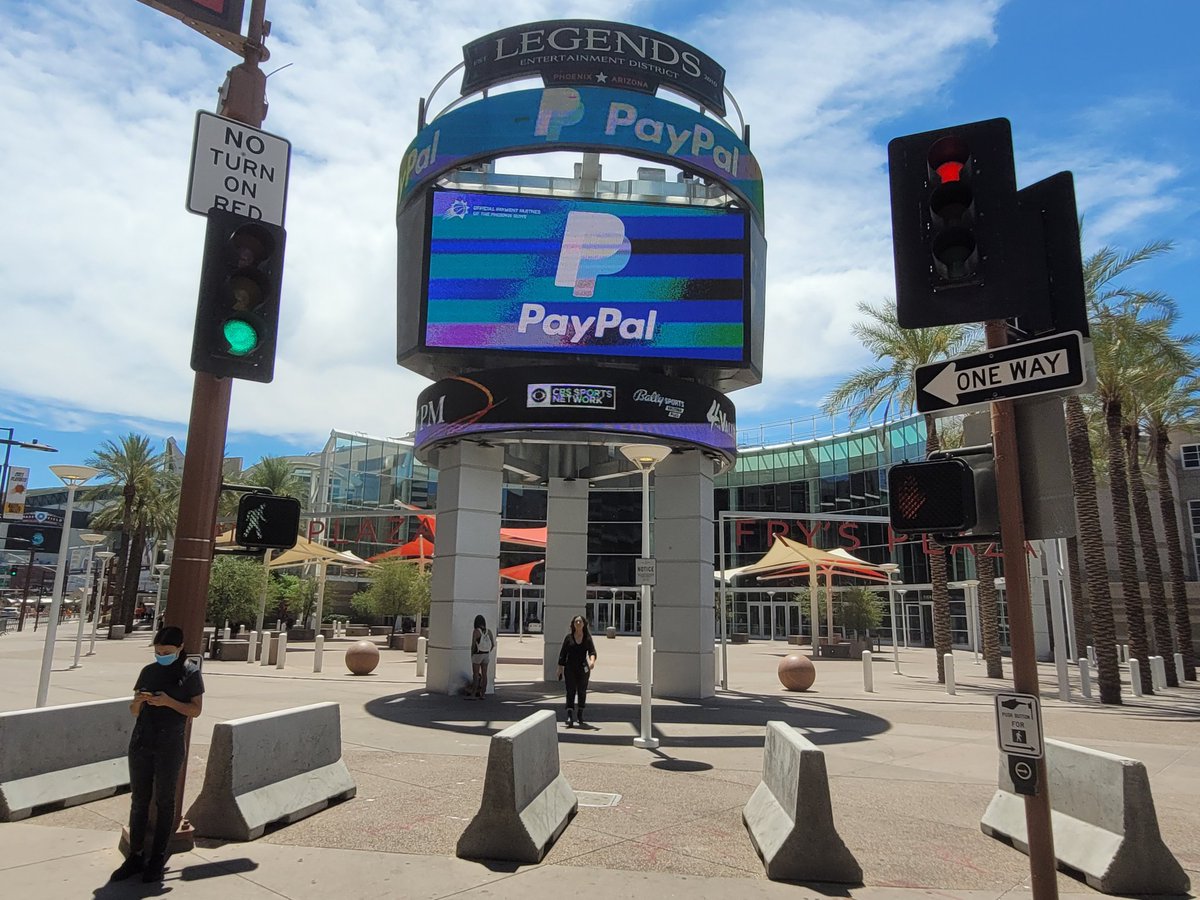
{"points": [[267, 522]]}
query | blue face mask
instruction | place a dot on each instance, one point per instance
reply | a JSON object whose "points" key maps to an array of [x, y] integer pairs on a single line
{"points": [[165, 659]]}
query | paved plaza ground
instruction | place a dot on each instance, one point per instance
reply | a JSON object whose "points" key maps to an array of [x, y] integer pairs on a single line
{"points": [[911, 772]]}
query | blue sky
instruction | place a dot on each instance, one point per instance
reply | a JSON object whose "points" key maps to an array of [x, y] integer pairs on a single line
{"points": [[99, 260]]}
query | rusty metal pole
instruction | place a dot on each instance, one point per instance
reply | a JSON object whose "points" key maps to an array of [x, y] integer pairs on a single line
{"points": [[1042, 863], [244, 99]]}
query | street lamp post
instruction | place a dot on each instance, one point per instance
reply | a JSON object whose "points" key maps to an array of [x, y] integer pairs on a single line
{"points": [[771, 612], [891, 569], [104, 556], [72, 477], [92, 540], [903, 615], [161, 568], [9, 443], [646, 457]]}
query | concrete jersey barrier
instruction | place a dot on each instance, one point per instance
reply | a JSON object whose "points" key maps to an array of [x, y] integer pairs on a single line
{"points": [[1103, 819], [790, 816], [273, 768], [63, 755], [527, 802]]}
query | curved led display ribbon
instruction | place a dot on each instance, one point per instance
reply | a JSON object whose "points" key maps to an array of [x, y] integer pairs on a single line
{"points": [[590, 119]]}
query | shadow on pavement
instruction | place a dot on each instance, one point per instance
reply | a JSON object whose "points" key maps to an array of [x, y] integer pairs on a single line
{"points": [[736, 719]]}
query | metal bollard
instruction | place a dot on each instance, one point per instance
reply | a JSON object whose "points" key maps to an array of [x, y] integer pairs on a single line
{"points": [[868, 674], [319, 653], [422, 649], [1125, 652], [1091, 655], [281, 656], [225, 631], [948, 659], [252, 653], [1135, 677], [1179, 672], [264, 655], [1085, 679]]}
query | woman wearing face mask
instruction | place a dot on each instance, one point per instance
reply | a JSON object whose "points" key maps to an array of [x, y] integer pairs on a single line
{"points": [[166, 694]]}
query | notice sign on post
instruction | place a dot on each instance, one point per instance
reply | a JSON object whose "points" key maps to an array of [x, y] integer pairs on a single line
{"points": [[646, 571], [1019, 725], [238, 168]]}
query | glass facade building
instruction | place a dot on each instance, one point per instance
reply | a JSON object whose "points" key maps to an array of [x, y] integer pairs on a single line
{"points": [[370, 495]]}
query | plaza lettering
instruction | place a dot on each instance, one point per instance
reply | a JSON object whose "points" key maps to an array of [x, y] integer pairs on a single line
{"points": [[598, 40]]}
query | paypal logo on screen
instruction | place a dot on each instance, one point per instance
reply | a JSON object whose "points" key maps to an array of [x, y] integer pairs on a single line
{"points": [[593, 244], [559, 108]]}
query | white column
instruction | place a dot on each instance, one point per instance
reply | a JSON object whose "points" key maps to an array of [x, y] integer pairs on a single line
{"points": [[466, 571], [683, 597], [566, 565]]}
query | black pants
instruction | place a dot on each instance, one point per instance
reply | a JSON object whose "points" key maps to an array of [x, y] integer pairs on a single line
{"points": [[577, 683], [153, 774]]}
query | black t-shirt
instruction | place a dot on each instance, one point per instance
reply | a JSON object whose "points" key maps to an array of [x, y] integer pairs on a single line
{"points": [[573, 656], [181, 681]]}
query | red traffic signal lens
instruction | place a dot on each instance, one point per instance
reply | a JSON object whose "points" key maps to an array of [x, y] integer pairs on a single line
{"points": [[949, 159], [249, 246]]}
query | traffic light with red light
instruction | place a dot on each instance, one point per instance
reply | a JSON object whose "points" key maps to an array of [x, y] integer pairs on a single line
{"points": [[945, 496], [956, 230], [237, 316]]}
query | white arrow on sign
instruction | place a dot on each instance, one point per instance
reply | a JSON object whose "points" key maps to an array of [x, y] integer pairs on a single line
{"points": [[952, 381]]}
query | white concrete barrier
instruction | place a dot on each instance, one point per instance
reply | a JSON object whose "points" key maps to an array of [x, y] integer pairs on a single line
{"points": [[63, 755], [868, 673], [790, 816], [252, 656], [948, 664], [1085, 678], [1103, 819], [1135, 677], [1180, 675], [281, 654], [274, 768], [527, 802], [319, 653]]}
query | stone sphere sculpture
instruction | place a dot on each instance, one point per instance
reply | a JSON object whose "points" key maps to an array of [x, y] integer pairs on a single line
{"points": [[362, 657], [797, 673]]}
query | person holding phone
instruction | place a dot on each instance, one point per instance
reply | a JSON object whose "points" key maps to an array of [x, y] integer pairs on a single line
{"points": [[167, 693], [576, 661]]}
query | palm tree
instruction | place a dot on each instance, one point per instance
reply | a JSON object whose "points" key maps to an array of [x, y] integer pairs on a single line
{"points": [[1102, 292], [130, 466], [1091, 541], [1173, 402], [275, 474], [892, 379], [989, 610]]}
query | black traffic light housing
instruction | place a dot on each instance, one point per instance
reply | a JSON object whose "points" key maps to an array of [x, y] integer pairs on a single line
{"points": [[956, 227], [267, 522], [237, 315], [1057, 298], [950, 495], [13, 571]]}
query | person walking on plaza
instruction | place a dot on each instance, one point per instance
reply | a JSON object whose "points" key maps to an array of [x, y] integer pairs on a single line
{"points": [[576, 661], [482, 642], [166, 694]]}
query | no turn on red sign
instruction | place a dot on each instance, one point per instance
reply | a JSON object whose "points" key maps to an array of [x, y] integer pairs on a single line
{"points": [[238, 168]]}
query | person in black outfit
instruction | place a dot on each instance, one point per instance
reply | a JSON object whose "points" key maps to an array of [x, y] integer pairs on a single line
{"points": [[576, 661], [166, 694]]}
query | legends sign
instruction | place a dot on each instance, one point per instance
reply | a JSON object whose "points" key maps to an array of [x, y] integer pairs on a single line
{"points": [[579, 52]]}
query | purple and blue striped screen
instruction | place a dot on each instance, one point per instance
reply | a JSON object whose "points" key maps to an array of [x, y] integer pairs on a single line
{"points": [[553, 275]]}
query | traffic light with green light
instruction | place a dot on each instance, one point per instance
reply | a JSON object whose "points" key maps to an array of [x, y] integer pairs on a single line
{"points": [[956, 227], [237, 316], [13, 571]]}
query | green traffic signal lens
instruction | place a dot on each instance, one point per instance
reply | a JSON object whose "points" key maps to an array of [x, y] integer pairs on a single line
{"points": [[240, 336]]}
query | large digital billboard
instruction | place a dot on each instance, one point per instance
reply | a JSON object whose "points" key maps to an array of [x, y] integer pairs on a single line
{"points": [[583, 118], [553, 275]]}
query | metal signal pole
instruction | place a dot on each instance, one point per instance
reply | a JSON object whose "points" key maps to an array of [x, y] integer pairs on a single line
{"points": [[244, 100], [1042, 863]]}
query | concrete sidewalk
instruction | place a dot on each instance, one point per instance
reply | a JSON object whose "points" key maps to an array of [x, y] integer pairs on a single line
{"points": [[911, 771]]}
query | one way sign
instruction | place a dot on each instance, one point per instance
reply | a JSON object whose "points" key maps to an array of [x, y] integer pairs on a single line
{"points": [[1017, 370]]}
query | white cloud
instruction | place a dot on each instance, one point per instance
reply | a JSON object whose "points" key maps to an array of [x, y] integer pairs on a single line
{"points": [[99, 261]]}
